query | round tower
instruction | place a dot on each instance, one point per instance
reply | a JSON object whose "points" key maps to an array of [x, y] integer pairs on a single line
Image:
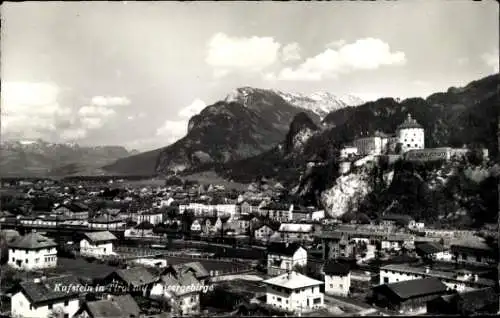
{"points": [[411, 135]]}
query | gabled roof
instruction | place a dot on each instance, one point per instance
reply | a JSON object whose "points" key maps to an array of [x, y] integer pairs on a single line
{"points": [[48, 290], [115, 307], [336, 268], [414, 288], [136, 276], [428, 248], [199, 270], [100, 237], [286, 249], [292, 280], [32, 241]]}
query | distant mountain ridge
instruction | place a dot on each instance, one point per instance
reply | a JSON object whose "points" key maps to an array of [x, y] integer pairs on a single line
{"points": [[41, 158]]}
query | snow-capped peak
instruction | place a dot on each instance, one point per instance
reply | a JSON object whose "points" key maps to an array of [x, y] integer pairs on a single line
{"points": [[320, 103]]}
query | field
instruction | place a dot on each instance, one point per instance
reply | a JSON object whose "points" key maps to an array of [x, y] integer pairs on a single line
{"points": [[210, 177]]}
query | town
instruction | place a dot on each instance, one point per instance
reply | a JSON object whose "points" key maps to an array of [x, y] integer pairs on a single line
{"points": [[156, 248]]}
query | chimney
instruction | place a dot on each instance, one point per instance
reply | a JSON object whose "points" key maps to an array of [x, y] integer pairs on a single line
{"points": [[290, 275]]}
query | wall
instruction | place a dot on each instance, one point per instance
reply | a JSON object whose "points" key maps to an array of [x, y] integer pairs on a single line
{"points": [[44, 258], [337, 285], [20, 307], [294, 301], [87, 248]]}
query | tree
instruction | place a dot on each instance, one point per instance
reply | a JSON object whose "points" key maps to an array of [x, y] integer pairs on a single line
{"points": [[399, 148], [172, 212], [187, 220]]}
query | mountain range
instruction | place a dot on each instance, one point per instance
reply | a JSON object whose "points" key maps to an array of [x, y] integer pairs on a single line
{"points": [[40, 158], [260, 132], [247, 122]]}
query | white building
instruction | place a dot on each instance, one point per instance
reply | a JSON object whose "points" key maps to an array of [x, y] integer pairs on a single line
{"points": [[459, 281], [32, 251], [294, 292], [97, 244], [153, 217], [263, 233], [283, 257], [106, 222], [348, 151], [411, 135], [45, 297], [296, 231], [337, 279], [185, 300]]}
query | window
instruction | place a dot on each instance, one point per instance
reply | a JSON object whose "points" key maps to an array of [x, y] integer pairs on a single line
{"points": [[13, 259], [386, 280], [66, 303], [408, 145], [478, 258], [26, 260], [278, 299], [50, 306], [331, 285], [66, 316], [341, 286]]}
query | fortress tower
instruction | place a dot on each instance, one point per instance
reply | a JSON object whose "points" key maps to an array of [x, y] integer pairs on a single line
{"points": [[411, 135]]}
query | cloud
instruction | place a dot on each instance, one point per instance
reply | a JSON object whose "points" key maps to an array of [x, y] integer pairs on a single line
{"points": [[95, 111], [31, 109], [491, 59], [290, 52], [73, 134], [248, 54], [364, 54], [336, 44], [193, 109], [90, 123], [173, 130], [110, 101]]}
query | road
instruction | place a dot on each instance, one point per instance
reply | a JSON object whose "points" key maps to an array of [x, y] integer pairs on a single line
{"points": [[341, 301]]}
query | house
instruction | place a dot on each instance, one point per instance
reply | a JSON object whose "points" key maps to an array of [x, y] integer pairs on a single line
{"points": [[196, 227], [112, 306], [154, 217], [278, 211], [244, 223], [263, 233], [106, 222], [43, 297], [250, 207], [208, 225], [182, 290], [433, 251], [301, 213], [395, 242], [348, 151], [73, 210], [199, 271], [455, 280], [409, 296], [31, 252], [97, 243], [296, 231], [294, 292], [337, 278], [480, 301], [283, 257], [391, 220], [136, 280], [474, 252]]}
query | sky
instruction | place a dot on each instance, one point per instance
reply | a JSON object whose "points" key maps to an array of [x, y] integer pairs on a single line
{"points": [[133, 73]]}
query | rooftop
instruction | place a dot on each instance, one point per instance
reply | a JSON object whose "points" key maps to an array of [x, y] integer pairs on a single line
{"points": [[115, 306], [101, 236], [414, 288], [293, 280], [44, 290], [32, 241], [409, 123]]}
